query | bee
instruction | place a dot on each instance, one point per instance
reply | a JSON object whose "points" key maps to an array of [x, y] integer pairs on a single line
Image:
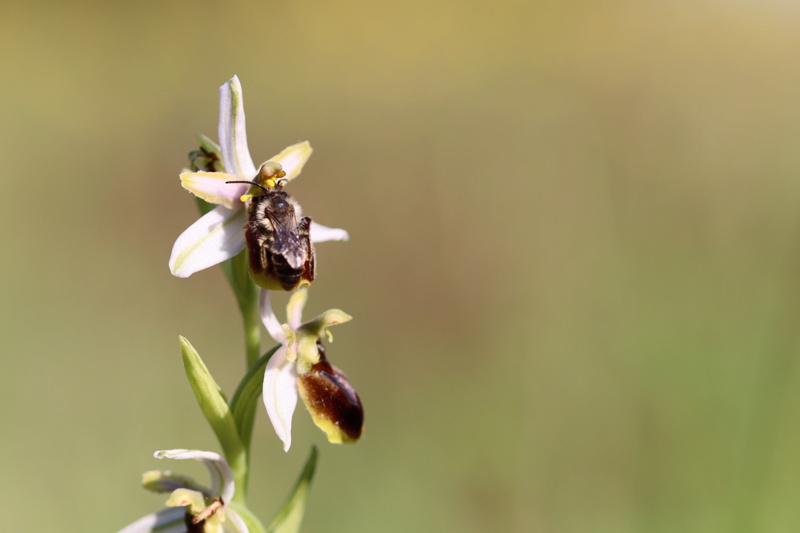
{"points": [[278, 238]]}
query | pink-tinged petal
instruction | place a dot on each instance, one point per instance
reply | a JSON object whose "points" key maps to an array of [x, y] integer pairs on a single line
{"points": [[320, 233], [213, 187], [232, 132], [218, 469], [293, 159], [280, 395], [269, 319], [169, 520], [215, 237]]}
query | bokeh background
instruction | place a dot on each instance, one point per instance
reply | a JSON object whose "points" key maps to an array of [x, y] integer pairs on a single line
{"points": [[574, 266]]}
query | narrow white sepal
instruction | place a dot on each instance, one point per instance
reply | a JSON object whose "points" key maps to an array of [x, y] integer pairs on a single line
{"points": [[320, 233], [232, 132], [280, 395], [293, 158], [269, 319], [213, 238], [168, 520], [218, 469]]}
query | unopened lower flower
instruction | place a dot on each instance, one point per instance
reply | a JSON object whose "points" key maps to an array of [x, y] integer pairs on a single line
{"points": [[300, 366], [191, 507]]}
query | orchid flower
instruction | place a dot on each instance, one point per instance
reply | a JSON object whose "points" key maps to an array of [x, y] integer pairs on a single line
{"points": [[191, 506], [301, 366], [218, 235]]}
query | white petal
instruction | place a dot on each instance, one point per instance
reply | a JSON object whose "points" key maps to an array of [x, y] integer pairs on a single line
{"points": [[213, 187], [232, 132], [215, 237], [218, 469], [233, 522], [280, 395], [293, 158], [169, 520], [269, 319], [320, 233]]}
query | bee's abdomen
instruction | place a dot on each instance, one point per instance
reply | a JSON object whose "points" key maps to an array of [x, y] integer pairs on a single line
{"points": [[287, 276]]}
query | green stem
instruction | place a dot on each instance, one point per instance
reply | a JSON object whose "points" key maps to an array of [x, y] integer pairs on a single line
{"points": [[252, 329], [240, 470], [236, 270], [252, 335], [246, 292]]}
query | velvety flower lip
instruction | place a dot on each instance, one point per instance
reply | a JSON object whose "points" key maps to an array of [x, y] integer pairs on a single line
{"points": [[190, 500], [299, 366], [218, 235]]}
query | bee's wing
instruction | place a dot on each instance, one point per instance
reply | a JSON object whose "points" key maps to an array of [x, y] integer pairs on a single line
{"points": [[288, 243]]}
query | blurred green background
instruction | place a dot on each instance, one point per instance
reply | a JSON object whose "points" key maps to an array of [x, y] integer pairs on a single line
{"points": [[574, 263]]}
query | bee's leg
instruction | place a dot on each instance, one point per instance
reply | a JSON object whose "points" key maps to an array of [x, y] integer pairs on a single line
{"points": [[304, 226], [255, 248], [310, 267]]}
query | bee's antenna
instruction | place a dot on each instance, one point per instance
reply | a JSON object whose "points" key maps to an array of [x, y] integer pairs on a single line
{"points": [[249, 183]]}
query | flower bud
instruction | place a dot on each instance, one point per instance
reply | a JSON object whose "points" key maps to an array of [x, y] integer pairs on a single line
{"points": [[332, 401], [207, 158]]}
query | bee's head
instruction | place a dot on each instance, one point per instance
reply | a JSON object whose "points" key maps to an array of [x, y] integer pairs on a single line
{"points": [[280, 204]]}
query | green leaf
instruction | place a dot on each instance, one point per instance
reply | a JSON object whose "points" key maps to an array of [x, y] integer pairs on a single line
{"points": [[243, 403], [215, 408], [290, 516]]}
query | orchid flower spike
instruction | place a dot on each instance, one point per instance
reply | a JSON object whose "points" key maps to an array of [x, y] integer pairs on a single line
{"points": [[218, 235], [191, 506], [300, 366]]}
